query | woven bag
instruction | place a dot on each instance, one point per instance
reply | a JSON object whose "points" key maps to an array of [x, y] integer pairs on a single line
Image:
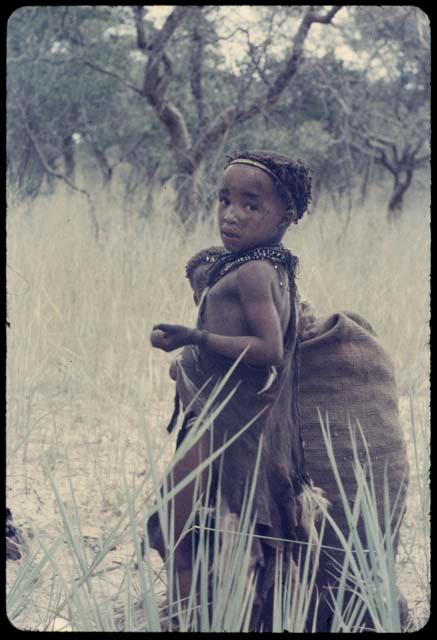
{"points": [[347, 376]]}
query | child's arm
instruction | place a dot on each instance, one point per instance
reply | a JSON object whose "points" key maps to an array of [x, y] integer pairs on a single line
{"points": [[255, 282]]}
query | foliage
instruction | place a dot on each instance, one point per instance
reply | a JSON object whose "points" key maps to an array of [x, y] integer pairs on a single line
{"points": [[107, 89]]}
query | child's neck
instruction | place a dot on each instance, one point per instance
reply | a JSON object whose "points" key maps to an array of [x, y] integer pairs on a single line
{"points": [[266, 243]]}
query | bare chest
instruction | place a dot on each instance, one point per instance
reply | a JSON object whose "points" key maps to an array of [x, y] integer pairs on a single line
{"points": [[222, 312]]}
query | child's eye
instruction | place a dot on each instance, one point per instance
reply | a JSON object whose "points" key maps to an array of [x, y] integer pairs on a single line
{"points": [[223, 201], [251, 206]]}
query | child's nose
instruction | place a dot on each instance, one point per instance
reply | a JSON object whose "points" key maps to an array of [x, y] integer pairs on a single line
{"points": [[230, 214]]}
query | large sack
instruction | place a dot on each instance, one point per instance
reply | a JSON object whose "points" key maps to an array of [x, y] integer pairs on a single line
{"points": [[347, 375]]}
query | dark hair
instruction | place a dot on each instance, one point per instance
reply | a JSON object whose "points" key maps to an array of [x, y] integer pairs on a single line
{"points": [[292, 179], [204, 256]]}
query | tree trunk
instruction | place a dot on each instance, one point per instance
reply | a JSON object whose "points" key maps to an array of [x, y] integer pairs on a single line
{"points": [[68, 155], [23, 168], [317, 185], [152, 183], [397, 198], [365, 183], [189, 187], [100, 157]]}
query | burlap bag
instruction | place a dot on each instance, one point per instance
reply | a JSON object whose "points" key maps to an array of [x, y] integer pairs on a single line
{"points": [[347, 375]]}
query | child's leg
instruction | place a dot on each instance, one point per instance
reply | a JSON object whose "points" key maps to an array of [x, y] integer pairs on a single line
{"points": [[183, 505]]}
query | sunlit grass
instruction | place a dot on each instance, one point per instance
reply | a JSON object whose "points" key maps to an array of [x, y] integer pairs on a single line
{"points": [[88, 399]]}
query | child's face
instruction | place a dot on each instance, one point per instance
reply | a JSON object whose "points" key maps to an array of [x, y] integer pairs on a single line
{"points": [[198, 281], [250, 212]]}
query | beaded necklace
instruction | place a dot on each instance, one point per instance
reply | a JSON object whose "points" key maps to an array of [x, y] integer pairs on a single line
{"points": [[277, 254]]}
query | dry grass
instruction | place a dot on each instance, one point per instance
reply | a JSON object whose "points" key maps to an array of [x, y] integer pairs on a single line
{"points": [[83, 383]]}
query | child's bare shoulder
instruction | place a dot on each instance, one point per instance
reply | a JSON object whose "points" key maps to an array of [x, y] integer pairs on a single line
{"points": [[256, 274]]}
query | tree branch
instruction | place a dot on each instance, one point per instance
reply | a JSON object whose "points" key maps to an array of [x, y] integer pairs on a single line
{"points": [[112, 74], [155, 84], [170, 25], [421, 162], [256, 55], [378, 139], [328, 17], [370, 152], [40, 154], [197, 46], [131, 149], [385, 163], [139, 26], [235, 115], [106, 168], [51, 171], [415, 150]]}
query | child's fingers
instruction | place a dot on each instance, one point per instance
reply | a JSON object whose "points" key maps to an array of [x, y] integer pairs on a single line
{"points": [[166, 328], [159, 326], [157, 337]]}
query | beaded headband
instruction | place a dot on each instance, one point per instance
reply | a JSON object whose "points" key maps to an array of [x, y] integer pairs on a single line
{"points": [[261, 166], [256, 164]]}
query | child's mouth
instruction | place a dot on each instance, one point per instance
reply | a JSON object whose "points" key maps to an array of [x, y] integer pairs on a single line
{"points": [[229, 234]]}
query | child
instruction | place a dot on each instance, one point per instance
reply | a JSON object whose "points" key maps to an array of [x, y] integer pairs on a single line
{"points": [[250, 303], [196, 272], [339, 347], [197, 267]]}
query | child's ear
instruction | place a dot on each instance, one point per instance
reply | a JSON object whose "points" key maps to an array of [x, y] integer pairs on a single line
{"points": [[285, 222]]}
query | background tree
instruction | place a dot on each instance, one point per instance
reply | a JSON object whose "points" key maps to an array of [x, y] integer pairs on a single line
{"points": [[383, 115], [190, 152], [114, 91]]}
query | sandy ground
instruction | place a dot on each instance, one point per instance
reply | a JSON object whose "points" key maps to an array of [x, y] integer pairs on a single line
{"points": [[96, 455]]}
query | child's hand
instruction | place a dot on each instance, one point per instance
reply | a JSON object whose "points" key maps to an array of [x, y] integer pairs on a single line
{"points": [[171, 336]]}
